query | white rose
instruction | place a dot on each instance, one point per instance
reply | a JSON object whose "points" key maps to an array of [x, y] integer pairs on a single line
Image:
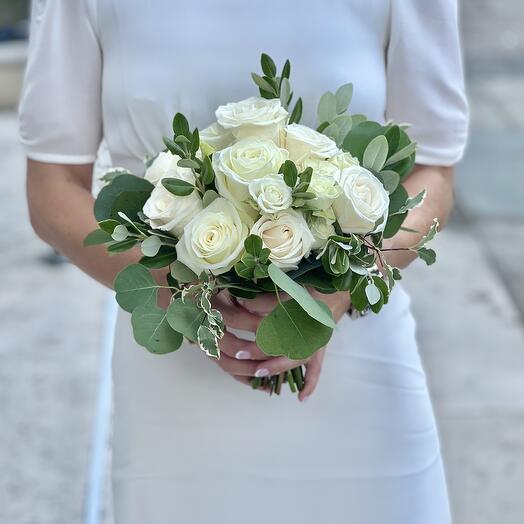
{"points": [[322, 167], [288, 237], [214, 240], [169, 212], [322, 229], [363, 202], [303, 142], [254, 116], [165, 166], [216, 136], [343, 160], [271, 194], [238, 165], [325, 188]]}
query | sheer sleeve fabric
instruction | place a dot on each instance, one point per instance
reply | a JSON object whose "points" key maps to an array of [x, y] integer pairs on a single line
{"points": [[425, 86], [60, 109]]}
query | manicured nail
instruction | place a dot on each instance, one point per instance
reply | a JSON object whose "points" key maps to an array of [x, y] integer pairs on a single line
{"points": [[261, 372], [305, 399], [243, 355], [241, 301]]}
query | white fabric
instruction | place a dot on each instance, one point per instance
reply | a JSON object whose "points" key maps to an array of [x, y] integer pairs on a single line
{"points": [[190, 444]]}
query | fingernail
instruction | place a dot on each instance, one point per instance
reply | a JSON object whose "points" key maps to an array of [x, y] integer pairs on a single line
{"points": [[261, 372], [305, 399], [241, 301], [243, 355]]}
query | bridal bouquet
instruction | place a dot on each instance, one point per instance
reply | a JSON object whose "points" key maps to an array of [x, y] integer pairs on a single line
{"points": [[259, 203]]}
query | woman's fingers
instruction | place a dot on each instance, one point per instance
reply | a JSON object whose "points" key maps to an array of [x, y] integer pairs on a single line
{"points": [[313, 369], [234, 315], [239, 348], [234, 366], [274, 366], [263, 304]]}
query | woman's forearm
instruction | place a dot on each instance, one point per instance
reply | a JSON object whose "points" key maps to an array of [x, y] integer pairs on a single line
{"points": [[61, 211], [438, 182]]}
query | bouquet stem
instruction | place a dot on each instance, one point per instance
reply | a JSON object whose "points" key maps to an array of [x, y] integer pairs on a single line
{"points": [[294, 378]]}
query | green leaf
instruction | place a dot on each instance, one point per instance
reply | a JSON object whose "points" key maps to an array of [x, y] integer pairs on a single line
{"points": [[208, 341], [181, 139], [296, 114], [360, 136], [182, 273], [120, 233], [134, 286], [207, 173], [427, 255], [113, 172], [181, 125], [289, 331], [343, 98], [403, 153], [376, 153], [185, 317], [430, 235], [195, 142], [359, 299], [173, 147], [97, 237], [390, 180], [243, 270], [263, 84], [290, 172], [397, 199], [163, 258], [344, 124], [412, 203], [393, 136], [285, 91], [178, 187], [296, 291], [260, 271], [187, 162], [126, 193], [253, 245], [343, 282], [209, 196], [151, 246], [268, 66], [108, 225], [120, 247], [373, 293], [151, 330], [327, 107], [286, 70], [317, 279]]}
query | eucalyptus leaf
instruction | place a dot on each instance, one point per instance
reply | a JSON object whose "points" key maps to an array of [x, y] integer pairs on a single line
{"points": [[376, 153], [151, 330], [209, 196], [343, 97], [134, 286], [182, 273], [120, 233], [98, 236], [296, 291], [289, 331], [185, 317], [327, 107], [165, 256], [151, 246], [390, 180], [403, 153], [120, 247]]}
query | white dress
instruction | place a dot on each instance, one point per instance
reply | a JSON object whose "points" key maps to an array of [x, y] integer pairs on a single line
{"points": [[191, 445]]}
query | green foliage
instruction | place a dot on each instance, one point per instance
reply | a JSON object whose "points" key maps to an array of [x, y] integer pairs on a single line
{"points": [[288, 330], [185, 317], [151, 246], [134, 287], [178, 187], [152, 331], [290, 172], [375, 153], [182, 273], [296, 291], [165, 256], [126, 194], [296, 114], [98, 236]]}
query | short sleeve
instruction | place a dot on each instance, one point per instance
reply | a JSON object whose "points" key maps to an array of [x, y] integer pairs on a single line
{"points": [[425, 85], [60, 108]]}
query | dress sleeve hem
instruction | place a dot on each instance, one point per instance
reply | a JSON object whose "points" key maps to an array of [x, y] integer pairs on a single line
{"points": [[52, 158]]}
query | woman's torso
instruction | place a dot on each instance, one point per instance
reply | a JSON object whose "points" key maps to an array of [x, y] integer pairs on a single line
{"points": [[193, 56]]}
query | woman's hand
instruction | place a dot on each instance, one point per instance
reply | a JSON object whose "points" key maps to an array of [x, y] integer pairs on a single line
{"points": [[338, 303]]}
